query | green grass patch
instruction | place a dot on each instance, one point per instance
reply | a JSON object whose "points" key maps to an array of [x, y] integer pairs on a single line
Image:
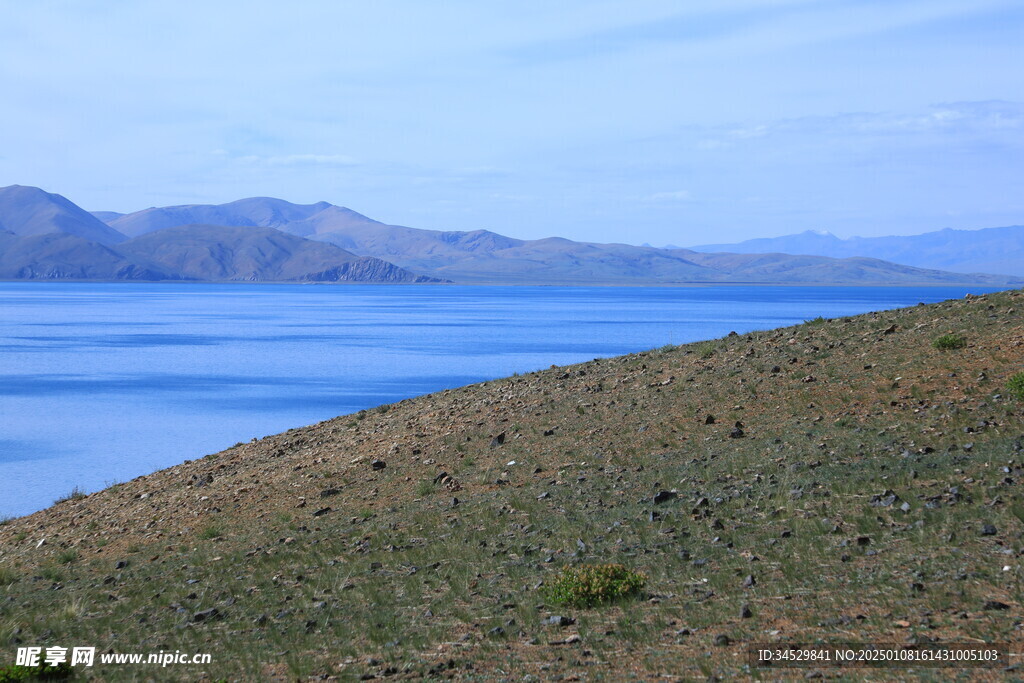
{"points": [[42, 672], [949, 342], [590, 584], [67, 556], [1015, 386]]}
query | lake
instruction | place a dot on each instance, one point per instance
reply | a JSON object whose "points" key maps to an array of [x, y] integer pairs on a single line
{"points": [[100, 383]]}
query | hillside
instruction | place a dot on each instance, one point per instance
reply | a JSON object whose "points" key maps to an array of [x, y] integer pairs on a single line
{"points": [[842, 480], [62, 256], [991, 250], [216, 253]]}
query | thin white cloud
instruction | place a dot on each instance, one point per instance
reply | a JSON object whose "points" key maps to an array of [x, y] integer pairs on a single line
{"points": [[673, 196], [310, 160]]}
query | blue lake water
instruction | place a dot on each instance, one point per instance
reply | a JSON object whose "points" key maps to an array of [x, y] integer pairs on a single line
{"points": [[103, 382]]}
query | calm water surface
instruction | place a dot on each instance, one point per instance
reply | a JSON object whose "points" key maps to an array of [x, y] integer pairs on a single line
{"points": [[103, 382]]}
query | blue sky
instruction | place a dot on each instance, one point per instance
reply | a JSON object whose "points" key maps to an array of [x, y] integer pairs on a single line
{"points": [[641, 121]]}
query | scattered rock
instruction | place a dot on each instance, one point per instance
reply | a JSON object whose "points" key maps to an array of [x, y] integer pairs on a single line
{"points": [[988, 530], [887, 499], [378, 465], [206, 615], [498, 440], [559, 620], [664, 496]]}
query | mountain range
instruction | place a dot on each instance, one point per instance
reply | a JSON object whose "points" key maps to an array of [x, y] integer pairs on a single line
{"points": [[45, 236], [991, 250]]}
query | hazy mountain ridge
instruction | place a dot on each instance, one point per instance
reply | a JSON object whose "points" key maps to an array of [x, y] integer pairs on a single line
{"points": [[481, 256], [46, 237], [989, 250], [31, 211], [267, 239]]}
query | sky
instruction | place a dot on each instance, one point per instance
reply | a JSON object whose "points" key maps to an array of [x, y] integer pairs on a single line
{"points": [[649, 121]]}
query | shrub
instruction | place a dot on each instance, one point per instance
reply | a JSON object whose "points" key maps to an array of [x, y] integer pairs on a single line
{"points": [[590, 584], [948, 342], [75, 494], [1015, 385], [67, 556], [210, 532], [42, 672], [816, 321]]}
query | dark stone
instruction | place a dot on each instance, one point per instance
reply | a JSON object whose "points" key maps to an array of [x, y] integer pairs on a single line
{"points": [[723, 640], [206, 615], [988, 530], [378, 465], [887, 499], [559, 620], [736, 433], [709, 420], [996, 605], [745, 612], [327, 493], [321, 512], [863, 540], [121, 564], [496, 631], [749, 581], [498, 440], [664, 496]]}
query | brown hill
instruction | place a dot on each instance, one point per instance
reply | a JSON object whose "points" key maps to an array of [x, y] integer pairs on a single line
{"points": [[61, 256], [205, 252], [851, 480]]}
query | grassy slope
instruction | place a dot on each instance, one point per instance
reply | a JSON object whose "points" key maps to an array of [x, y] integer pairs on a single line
{"points": [[318, 564]]}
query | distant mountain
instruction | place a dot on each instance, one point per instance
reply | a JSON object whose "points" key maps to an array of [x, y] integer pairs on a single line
{"points": [[990, 250], [31, 211], [210, 252], [482, 256], [263, 212], [266, 239], [44, 236]]}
